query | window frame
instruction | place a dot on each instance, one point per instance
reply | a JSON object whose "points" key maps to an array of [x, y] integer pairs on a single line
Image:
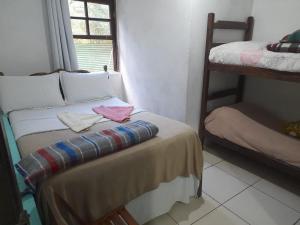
{"points": [[111, 20]]}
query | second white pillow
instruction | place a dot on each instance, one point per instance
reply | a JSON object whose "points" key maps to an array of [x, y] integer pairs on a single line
{"points": [[80, 87]]}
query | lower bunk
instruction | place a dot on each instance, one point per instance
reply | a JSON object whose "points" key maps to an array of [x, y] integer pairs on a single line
{"points": [[254, 132]]}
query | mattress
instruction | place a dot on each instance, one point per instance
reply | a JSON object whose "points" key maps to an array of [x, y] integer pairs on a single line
{"points": [[25, 122], [97, 187], [255, 54], [255, 129]]}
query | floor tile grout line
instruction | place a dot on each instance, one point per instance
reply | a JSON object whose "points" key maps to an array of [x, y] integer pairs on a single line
{"points": [[172, 218], [223, 204], [236, 195], [213, 164], [219, 204], [275, 199], [208, 167], [237, 176], [297, 221], [230, 210], [207, 213], [260, 179], [247, 186]]}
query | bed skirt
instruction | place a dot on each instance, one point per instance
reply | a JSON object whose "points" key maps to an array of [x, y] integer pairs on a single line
{"points": [[151, 204]]}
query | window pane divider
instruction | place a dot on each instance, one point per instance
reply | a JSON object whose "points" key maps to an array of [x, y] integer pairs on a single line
{"points": [[86, 18], [89, 18], [100, 37], [104, 2]]}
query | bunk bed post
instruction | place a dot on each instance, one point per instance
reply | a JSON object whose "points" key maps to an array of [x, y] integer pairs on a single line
{"points": [[242, 79], [206, 75]]}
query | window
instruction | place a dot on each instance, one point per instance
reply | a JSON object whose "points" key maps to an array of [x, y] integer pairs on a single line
{"points": [[94, 32]]}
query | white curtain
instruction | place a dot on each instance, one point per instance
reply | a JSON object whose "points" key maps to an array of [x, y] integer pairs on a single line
{"points": [[62, 44]]}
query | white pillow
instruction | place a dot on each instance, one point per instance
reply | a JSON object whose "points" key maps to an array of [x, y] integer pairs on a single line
{"points": [[80, 87], [25, 92]]}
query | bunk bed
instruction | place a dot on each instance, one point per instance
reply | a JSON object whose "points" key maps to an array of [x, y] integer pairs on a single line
{"points": [[242, 71]]}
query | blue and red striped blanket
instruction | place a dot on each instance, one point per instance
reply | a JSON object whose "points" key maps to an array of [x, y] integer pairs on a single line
{"points": [[62, 155]]}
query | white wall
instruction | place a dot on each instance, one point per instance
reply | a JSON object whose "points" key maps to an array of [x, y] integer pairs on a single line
{"points": [[154, 48], [275, 19], [162, 51], [23, 39]]}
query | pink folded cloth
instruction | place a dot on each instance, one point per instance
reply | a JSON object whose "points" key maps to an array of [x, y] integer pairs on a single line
{"points": [[116, 113]]}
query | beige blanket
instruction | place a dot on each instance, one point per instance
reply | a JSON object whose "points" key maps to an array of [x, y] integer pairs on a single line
{"points": [[87, 192], [254, 129]]}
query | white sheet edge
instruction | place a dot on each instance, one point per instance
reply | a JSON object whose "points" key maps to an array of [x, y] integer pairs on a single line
{"points": [[160, 201], [30, 121]]}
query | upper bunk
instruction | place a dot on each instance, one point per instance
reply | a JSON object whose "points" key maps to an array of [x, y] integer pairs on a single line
{"points": [[233, 57]]}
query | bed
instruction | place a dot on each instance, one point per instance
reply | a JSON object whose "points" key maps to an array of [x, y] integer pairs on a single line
{"points": [[236, 126], [253, 128], [254, 54], [168, 165]]}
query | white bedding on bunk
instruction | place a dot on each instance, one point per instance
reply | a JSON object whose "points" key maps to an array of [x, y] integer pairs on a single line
{"points": [[29, 121], [251, 53]]}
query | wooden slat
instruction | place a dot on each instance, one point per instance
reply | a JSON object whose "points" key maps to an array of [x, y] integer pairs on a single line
{"points": [[128, 218], [257, 72], [217, 44], [99, 37], [105, 2], [90, 18], [118, 217], [222, 94], [231, 25]]}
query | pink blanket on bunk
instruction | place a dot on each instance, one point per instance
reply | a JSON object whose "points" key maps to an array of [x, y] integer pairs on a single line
{"points": [[115, 113], [256, 130]]}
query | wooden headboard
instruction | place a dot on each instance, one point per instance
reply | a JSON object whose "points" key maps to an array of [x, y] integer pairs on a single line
{"points": [[55, 71], [59, 70]]}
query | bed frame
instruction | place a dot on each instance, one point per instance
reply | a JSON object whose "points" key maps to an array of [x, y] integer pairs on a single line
{"points": [[244, 71], [24, 199]]}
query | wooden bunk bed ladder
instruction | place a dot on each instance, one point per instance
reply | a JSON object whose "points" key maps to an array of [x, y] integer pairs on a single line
{"points": [[239, 90]]}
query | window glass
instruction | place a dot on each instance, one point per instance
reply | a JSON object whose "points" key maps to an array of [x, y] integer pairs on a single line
{"points": [[78, 27], [99, 28], [76, 8], [98, 10]]}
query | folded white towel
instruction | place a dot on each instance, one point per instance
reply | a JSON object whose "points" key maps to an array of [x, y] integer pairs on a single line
{"points": [[79, 122]]}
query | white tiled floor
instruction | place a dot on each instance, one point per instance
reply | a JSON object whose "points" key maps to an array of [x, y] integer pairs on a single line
{"points": [[237, 191]]}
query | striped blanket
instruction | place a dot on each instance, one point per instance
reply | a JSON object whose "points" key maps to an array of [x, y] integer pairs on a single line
{"points": [[62, 155], [289, 44], [284, 47]]}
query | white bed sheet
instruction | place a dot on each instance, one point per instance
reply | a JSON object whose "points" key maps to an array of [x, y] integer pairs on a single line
{"points": [[24, 122], [251, 53]]}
